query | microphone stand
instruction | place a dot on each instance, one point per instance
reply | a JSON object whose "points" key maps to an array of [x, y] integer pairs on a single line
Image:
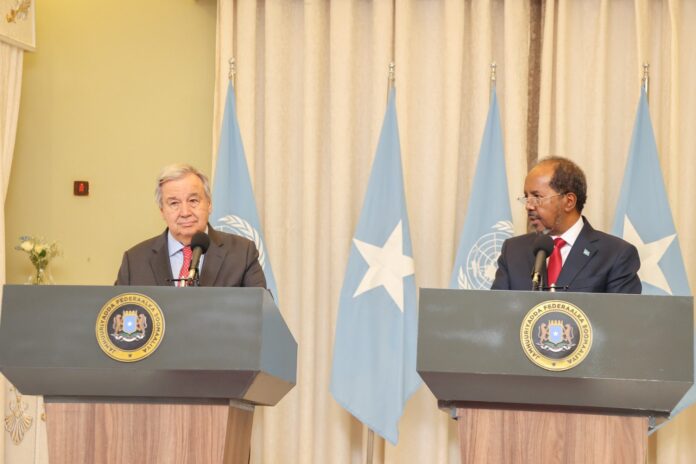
{"points": [[193, 281], [554, 288], [190, 281], [538, 280]]}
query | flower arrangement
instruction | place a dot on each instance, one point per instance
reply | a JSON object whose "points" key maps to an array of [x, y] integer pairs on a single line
{"points": [[40, 254]]}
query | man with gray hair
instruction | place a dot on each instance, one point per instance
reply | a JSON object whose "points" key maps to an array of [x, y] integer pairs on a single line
{"points": [[184, 199]]}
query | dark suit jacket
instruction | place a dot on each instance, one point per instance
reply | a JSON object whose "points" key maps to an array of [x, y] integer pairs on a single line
{"points": [[597, 263], [231, 261]]}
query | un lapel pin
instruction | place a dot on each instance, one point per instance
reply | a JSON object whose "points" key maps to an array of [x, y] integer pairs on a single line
{"points": [[586, 252]]}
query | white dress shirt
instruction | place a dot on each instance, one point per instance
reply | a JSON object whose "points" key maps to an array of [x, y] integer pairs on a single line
{"points": [[570, 236]]}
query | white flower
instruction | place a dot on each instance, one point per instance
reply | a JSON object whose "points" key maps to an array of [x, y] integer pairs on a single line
{"points": [[26, 245], [39, 247]]}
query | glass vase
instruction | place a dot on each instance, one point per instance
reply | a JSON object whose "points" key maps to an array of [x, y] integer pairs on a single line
{"points": [[40, 276]]}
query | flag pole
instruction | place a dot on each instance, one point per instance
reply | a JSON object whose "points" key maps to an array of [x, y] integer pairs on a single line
{"points": [[493, 76], [370, 445], [370, 432], [390, 78], [390, 84], [646, 79]]}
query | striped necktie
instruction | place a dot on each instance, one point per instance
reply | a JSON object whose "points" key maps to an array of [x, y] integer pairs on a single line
{"points": [[183, 274]]}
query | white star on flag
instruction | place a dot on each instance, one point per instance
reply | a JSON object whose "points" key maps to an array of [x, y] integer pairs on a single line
{"points": [[650, 256], [388, 266]]}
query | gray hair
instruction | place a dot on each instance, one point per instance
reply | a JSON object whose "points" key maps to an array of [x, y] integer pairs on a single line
{"points": [[176, 172]]}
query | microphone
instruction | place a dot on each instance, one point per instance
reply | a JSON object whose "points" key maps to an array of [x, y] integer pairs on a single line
{"points": [[542, 247], [199, 245]]}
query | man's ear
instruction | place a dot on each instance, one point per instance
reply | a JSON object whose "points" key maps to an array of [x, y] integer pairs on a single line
{"points": [[571, 200]]}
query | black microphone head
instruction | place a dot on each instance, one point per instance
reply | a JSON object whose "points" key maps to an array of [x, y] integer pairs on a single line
{"points": [[200, 240], [543, 242]]}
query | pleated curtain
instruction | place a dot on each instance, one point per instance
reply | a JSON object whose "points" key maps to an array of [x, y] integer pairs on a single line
{"points": [[311, 83]]}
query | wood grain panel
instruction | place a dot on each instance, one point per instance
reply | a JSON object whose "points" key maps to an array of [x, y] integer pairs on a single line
{"points": [[504, 436], [238, 442], [143, 433]]}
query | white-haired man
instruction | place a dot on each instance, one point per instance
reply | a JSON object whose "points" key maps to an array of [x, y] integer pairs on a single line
{"points": [[184, 200]]}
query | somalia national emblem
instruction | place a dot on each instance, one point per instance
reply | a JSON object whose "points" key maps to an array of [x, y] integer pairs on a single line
{"points": [[130, 327], [556, 335]]}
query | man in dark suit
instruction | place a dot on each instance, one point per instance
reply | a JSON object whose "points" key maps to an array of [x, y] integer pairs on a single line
{"points": [[583, 259], [183, 196]]}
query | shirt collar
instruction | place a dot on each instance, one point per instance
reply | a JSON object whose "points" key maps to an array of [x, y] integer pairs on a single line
{"points": [[173, 245], [571, 235]]}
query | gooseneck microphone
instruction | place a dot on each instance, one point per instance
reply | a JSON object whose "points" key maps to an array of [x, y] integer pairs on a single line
{"points": [[199, 245], [542, 247]]}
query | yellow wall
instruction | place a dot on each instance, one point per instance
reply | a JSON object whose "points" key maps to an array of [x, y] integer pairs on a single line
{"points": [[116, 90]]}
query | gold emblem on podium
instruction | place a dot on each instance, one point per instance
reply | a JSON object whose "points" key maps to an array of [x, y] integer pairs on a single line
{"points": [[130, 327], [556, 335]]}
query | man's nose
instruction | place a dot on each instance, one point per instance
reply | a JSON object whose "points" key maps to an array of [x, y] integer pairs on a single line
{"points": [[185, 209]]}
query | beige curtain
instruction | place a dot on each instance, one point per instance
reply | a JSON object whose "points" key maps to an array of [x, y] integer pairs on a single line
{"points": [[32, 447], [593, 52], [311, 87], [10, 85]]}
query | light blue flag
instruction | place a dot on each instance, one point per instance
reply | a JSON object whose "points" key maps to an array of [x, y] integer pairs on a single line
{"points": [[643, 218], [374, 358], [234, 207], [488, 220]]}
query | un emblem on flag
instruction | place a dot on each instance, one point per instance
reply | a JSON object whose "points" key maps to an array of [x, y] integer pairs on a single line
{"points": [[237, 225], [482, 260], [556, 335], [130, 327]]}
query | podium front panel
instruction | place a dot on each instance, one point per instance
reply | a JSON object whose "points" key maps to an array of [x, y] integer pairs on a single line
{"points": [[218, 343], [641, 358]]}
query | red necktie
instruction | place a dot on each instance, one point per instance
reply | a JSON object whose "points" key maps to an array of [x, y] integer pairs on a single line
{"points": [[183, 274], [555, 261]]}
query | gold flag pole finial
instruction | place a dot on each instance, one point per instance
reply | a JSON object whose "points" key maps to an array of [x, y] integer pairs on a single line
{"points": [[233, 70], [646, 77], [391, 79]]}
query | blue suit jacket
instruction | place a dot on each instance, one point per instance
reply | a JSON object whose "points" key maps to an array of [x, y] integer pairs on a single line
{"points": [[597, 263]]}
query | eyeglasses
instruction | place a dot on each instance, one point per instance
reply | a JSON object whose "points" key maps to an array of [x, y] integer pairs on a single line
{"points": [[536, 201]]}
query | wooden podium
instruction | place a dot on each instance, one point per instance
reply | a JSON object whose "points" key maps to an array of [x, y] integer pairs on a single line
{"points": [[471, 354], [214, 355]]}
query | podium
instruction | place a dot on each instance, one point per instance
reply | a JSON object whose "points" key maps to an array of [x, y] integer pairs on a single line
{"points": [[147, 374], [512, 407]]}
